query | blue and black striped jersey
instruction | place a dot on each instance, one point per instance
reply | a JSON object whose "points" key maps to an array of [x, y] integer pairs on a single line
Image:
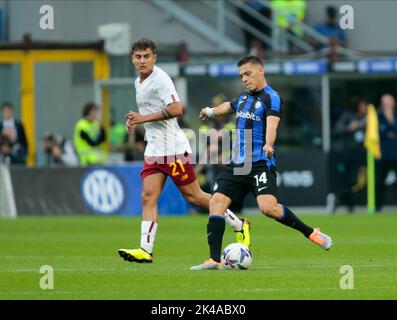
{"points": [[251, 110]]}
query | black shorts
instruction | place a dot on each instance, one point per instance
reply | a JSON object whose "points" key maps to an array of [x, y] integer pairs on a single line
{"points": [[261, 180]]}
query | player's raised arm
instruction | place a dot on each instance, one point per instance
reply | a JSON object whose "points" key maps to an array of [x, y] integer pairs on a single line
{"points": [[222, 109]]}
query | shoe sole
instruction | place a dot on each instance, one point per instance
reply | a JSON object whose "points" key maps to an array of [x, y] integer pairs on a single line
{"points": [[204, 269], [127, 257], [196, 268]]}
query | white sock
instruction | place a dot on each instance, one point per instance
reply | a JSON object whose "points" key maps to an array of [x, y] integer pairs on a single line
{"points": [[233, 221], [148, 234]]}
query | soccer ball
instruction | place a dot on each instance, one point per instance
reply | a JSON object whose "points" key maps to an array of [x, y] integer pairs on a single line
{"points": [[236, 256]]}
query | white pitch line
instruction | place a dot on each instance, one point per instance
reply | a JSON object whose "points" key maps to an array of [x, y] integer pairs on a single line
{"points": [[68, 270], [55, 257], [327, 266], [57, 292], [277, 267]]}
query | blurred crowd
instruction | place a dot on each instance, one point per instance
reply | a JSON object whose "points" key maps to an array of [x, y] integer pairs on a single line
{"points": [[13, 142], [349, 157], [289, 16]]}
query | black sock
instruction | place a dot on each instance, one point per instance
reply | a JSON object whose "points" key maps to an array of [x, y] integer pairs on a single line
{"points": [[291, 220], [215, 230]]}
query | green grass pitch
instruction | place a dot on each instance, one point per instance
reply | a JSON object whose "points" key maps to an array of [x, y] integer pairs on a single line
{"points": [[83, 253]]}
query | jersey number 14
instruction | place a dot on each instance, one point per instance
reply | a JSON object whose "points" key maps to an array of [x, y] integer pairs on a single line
{"points": [[262, 178]]}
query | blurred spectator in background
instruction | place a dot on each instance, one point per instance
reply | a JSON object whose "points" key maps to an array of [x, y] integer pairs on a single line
{"points": [[135, 145], [89, 137], [118, 137], [182, 120], [59, 151], [14, 135], [207, 171], [7, 154], [254, 45], [330, 28], [304, 118], [288, 16], [186, 128], [350, 154], [388, 142], [213, 158], [117, 134], [335, 113], [221, 122], [2, 25]]}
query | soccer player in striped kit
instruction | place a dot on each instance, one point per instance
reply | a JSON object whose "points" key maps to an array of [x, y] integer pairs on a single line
{"points": [[252, 168]]}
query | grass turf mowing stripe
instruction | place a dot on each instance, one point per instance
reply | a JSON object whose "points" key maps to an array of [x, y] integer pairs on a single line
{"points": [[83, 252]]}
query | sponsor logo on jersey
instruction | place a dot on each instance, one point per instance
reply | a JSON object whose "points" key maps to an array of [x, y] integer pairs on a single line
{"points": [[144, 104], [248, 115]]}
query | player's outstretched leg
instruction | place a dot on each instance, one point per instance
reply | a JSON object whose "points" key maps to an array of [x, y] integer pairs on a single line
{"points": [[289, 219], [269, 206]]}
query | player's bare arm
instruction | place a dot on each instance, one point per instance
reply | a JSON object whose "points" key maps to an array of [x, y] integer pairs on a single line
{"points": [[222, 109], [173, 110], [271, 135]]}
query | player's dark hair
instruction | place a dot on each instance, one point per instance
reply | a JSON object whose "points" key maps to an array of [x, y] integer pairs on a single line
{"points": [[250, 59], [143, 44], [88, 107], [6, 104]]}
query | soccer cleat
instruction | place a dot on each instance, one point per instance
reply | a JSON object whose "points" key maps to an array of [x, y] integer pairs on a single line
{"points": [[208, 265], [243, 236], [321, 239], [136, 255]]}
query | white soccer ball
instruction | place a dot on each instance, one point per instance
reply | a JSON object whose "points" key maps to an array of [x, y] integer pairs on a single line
{"points": [[236, 256]]}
